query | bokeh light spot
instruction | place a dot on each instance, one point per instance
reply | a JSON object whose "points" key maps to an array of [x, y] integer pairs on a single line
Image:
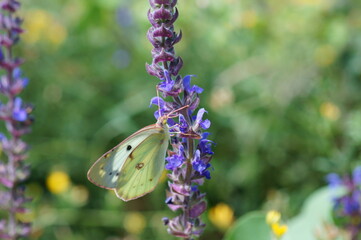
{"points": [[58, 182], [134, 222], [221, 216]]}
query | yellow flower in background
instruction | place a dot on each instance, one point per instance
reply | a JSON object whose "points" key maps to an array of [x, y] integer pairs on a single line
{"points": [[273, 217], [279, 229], [58, 182], [221, 216], [134, 222], [42, 26], [330, 111]]}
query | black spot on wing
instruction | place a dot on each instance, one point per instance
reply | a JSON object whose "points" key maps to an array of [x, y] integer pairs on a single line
{"points": [[129, 148]]}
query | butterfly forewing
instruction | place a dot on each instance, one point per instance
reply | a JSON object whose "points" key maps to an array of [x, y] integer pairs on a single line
{"points": [[143, 167], [107, 169]]}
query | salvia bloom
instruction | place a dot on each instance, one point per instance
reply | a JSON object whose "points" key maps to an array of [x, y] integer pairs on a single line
{"points": [[16, 115], [189, 160], [347, 207]]}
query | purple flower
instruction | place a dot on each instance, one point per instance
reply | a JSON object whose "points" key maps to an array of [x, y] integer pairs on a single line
{"points": [[175, 160], [334, 180], [183, 125], [351, 205], [167, 84], [163, 106], [19, 113], [199, 122], [199, 165], [205, 145], [188, 87]]}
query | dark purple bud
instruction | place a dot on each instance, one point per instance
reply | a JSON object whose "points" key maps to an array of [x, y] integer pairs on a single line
{"points": [[10, 5], [175, 66], [162, 31], [174, 2], [154, 41], [177, 38], [163, 56], [151, 19], [165, 220], [165, 2], [197, 209], [154, 70], [174, 18], [162, 14]]}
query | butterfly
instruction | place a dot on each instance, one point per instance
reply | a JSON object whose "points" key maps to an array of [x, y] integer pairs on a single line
{"points": [[133, 167]]}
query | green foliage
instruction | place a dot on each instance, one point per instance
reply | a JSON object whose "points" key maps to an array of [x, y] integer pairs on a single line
{"points": [[249, 227]]}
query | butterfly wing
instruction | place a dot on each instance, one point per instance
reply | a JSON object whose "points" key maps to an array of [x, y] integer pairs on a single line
{"points": [[143, 167], [106, 170]]}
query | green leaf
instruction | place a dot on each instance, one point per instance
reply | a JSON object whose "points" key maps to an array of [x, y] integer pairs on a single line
{"points": [[249, 227], [316, 212]]}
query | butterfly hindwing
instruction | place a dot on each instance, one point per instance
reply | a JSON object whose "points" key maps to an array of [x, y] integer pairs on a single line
{"points": [[107, 169], [143, 167]]}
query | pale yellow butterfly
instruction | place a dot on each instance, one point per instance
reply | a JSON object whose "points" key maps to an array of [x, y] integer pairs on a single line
{"points": [[133, 167]]}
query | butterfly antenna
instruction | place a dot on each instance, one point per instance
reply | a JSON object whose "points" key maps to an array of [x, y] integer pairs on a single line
{"points": [[177, 110]]}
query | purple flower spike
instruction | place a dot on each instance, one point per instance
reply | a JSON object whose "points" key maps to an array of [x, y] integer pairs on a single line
{"points": [[189, 160], [16, 115], [347, 207]]}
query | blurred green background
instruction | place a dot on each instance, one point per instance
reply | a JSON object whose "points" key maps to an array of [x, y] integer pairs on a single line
{"points": [[282, 82]]}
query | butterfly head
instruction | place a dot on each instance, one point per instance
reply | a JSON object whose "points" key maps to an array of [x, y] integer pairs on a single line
{"points": [[162, 120]]}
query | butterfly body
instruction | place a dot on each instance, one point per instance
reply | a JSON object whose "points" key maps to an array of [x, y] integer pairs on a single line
{"points": [[133, 167]]}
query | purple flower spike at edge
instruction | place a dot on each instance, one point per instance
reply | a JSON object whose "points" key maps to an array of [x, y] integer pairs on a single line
{"points": [[189, 160], [17, 117], [347, 207]]}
